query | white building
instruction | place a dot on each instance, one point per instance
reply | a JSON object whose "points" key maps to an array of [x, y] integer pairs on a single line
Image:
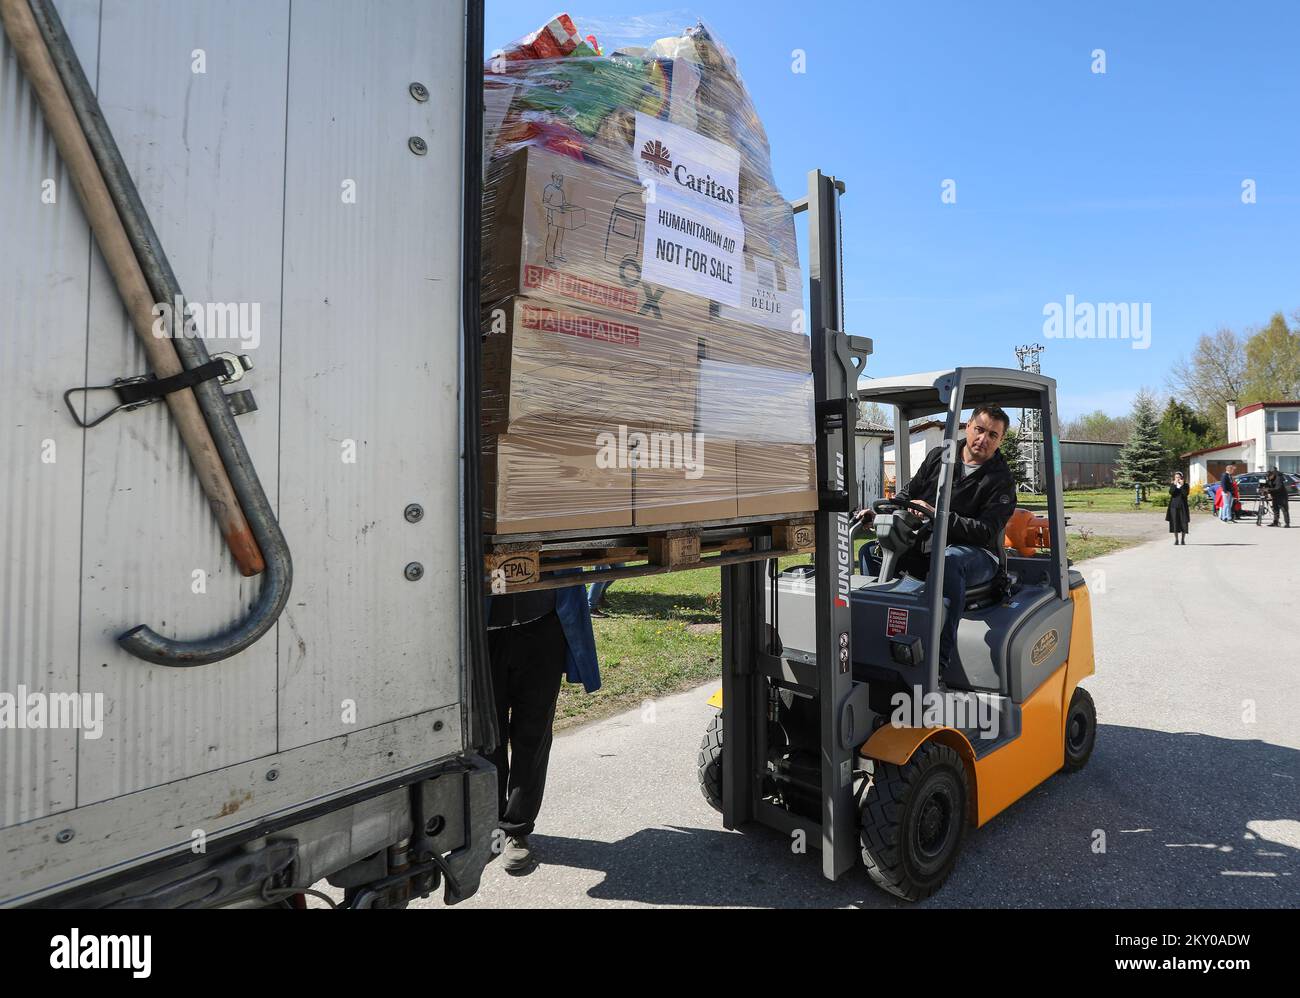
{"points": [[870, 438], [1260, 436], [925, 437]]}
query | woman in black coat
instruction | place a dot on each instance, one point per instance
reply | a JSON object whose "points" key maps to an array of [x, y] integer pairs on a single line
{"points": [[1178, 514]]}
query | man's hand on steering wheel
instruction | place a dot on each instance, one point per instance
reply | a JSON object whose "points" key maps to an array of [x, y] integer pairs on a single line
{"points": [[916, 507]]}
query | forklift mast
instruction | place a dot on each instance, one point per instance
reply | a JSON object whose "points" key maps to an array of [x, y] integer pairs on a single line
{"points": [[751, 652]]}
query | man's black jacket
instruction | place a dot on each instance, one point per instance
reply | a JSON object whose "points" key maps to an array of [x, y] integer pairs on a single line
{"points": [[982, 500]]}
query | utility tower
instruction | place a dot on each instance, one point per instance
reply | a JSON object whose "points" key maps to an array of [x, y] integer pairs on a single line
{"points": [[1031, 425]]}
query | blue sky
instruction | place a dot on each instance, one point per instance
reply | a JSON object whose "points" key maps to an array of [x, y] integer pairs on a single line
{"points": [[1117, 187]]}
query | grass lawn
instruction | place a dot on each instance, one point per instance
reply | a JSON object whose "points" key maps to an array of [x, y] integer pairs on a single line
{"points": [[663, 634], [1092, 501], [1094, 546]]}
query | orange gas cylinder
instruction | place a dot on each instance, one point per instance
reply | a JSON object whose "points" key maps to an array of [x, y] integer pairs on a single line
{"points": [[1026, 533]]}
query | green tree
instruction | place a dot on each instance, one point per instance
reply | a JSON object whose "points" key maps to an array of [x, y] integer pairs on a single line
{"points": [[1144, 459], [1272, 363], [1097, 426], [1183, 429], [871, 412], [1010, 448], [1215, 373]]}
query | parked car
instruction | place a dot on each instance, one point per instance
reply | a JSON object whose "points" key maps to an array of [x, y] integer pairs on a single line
{"points": [[1248, 485], [1248, 489]]}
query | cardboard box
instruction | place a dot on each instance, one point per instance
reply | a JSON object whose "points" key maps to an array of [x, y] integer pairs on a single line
{"points": [[758, 403], [755, 384], [566, 231], [682, 478], [774, 478], [780, 350], [573, 231], [570, 218], [546, 361], [771, 295], [543, 477]]}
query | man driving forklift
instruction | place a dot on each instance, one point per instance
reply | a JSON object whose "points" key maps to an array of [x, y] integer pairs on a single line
{"points": [[816, 740], [983, 499]]}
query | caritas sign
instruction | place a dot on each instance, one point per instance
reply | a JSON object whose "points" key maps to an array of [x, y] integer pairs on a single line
{"points": [[694, 238]]}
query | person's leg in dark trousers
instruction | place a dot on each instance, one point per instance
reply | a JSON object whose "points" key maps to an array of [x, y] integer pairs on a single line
{"points": [[963, 566], [527, 667], [500, 643]]}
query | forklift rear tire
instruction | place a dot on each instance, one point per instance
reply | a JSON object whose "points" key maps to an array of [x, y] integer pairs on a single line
{"points": [[710, 763], [913, 821], [1080, 730]]}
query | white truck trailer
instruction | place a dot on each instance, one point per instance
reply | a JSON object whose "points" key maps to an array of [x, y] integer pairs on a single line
{"points": [[311, 170]]}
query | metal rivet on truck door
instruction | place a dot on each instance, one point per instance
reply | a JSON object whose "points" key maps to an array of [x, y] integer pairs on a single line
{"points": [[66, 835], [417, 145], [420, 92], [415, 571], [414, 513], [272, 775]]}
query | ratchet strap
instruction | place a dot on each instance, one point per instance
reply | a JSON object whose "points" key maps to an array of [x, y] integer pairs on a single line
{"points": [[145, 389]]}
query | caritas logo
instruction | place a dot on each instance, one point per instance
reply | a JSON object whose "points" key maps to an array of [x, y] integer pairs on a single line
{"points": [[657, 155]]}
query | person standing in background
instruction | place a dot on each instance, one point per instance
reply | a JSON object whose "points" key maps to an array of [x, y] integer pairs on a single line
{"points": [[1224, 499], [1277, 485], [1178, 514], [596, 591]]}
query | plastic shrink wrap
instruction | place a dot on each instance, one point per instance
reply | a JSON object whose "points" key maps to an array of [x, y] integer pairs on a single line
{"points": [[644, 357]]}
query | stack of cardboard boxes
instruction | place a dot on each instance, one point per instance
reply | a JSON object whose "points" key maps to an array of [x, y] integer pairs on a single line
{"points": [[609, 401]]}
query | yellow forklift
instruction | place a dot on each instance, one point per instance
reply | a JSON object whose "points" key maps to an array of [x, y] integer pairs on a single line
{"points": [[837, 722]]}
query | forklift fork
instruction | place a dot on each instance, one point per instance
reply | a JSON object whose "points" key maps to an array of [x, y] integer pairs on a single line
{"points": [[749, 658]]}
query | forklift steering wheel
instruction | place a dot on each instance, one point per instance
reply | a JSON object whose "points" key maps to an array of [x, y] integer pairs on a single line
{"points": [[890, 505]]}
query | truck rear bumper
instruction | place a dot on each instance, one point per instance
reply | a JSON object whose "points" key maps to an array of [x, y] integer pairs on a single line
{"points": [[383, 849]]}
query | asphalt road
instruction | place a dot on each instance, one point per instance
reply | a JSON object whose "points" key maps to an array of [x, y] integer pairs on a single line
{"points": [[1195, 781], [1150, 524]]}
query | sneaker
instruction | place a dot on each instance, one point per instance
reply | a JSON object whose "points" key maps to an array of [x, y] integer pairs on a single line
{"points": [[596, 611], [518, 854]]}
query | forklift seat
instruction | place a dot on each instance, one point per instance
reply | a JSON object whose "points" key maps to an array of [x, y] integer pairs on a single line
{"points": [[978, 597], [987, 593]]}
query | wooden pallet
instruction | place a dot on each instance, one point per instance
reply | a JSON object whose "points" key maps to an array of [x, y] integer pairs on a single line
{"points": [[521, 566]]}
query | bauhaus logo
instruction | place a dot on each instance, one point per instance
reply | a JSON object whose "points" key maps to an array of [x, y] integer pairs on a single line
{"points": [[549, 320], [657, 155]]}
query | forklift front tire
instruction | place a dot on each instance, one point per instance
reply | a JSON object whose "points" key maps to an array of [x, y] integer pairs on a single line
{"points": [[1080, 730], [913, 820], [710, 763]]}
